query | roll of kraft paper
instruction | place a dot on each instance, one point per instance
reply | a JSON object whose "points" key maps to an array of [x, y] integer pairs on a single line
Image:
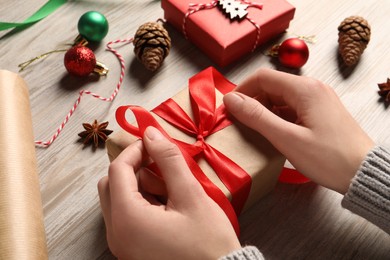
{"points": [[22, 233]]}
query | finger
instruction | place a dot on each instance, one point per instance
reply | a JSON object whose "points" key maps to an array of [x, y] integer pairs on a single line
{"points": [[104, 196], [252, 113], [180, 182], [152, 187], [105, 204], [151, 183], [152, 199], [122, 181], [286, 113], [280, 87]]}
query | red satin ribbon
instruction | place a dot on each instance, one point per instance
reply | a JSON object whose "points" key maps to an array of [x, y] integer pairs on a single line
{"points": [[208, 119], [292, 176]]}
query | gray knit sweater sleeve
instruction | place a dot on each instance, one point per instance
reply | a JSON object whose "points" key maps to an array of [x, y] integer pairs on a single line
{"points": [[369, 192], [367, 196], [245, 253]]}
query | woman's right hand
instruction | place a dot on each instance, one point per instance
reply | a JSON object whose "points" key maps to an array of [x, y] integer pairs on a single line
{"points": [[306, 121]]}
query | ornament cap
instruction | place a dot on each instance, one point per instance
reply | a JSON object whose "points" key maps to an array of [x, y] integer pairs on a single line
{"points": [[80, 40], [274, 51], [101, 69]]}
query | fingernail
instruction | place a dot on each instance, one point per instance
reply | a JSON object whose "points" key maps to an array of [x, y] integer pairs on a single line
{"points": [[153, 134], [231, 99]]}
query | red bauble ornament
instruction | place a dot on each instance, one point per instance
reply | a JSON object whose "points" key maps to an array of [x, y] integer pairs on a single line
{"points": [[80, 61], [293, 53]]}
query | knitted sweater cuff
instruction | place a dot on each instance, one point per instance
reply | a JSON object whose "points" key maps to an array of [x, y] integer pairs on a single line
{"points": [[369, 192], [245, 253]]}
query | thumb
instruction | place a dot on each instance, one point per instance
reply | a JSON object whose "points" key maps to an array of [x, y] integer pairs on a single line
{"points": [[179, 180], [253, 114]]}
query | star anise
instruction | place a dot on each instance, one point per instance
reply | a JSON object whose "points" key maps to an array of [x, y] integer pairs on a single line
{"points": [[95, 132], [384, 90]]}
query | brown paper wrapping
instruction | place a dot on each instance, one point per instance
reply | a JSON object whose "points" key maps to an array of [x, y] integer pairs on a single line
{"points": [[241, 144], [22, 233]]}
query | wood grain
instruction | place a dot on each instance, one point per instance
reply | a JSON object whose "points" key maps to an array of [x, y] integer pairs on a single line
{"points": [[293, 222]]}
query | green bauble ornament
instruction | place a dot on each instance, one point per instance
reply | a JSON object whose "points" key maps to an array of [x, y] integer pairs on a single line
{"points": [[93, 26]]}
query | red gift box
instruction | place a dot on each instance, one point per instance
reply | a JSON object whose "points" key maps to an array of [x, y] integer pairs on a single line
{"points": [[225, 40]]}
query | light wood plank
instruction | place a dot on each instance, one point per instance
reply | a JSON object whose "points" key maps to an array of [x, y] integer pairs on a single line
{"points": [[293, 222]]}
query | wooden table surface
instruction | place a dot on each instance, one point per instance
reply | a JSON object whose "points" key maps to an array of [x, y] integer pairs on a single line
{"points": [[293, 222]]}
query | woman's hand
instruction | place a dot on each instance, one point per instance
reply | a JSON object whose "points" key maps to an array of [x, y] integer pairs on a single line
{"points": [[305, 120], [189, 225]]}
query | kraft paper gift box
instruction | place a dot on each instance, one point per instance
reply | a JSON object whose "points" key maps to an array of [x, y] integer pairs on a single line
{"points": [[225, 40], [252, 152]]}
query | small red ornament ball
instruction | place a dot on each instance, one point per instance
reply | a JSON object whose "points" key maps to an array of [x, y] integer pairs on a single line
{"points": [[80, 61], [293, 53]]}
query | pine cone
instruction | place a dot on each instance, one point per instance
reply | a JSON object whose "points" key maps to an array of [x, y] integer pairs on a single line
{"points": [[151, 45], [354, 35]]}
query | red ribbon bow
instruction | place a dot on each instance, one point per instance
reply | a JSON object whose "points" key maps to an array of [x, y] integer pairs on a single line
{"points": [[208, 119]]}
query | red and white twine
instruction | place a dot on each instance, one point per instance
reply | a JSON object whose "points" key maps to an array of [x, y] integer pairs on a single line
{"points": [[193, 8], [258, 30], [87, 92]]}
